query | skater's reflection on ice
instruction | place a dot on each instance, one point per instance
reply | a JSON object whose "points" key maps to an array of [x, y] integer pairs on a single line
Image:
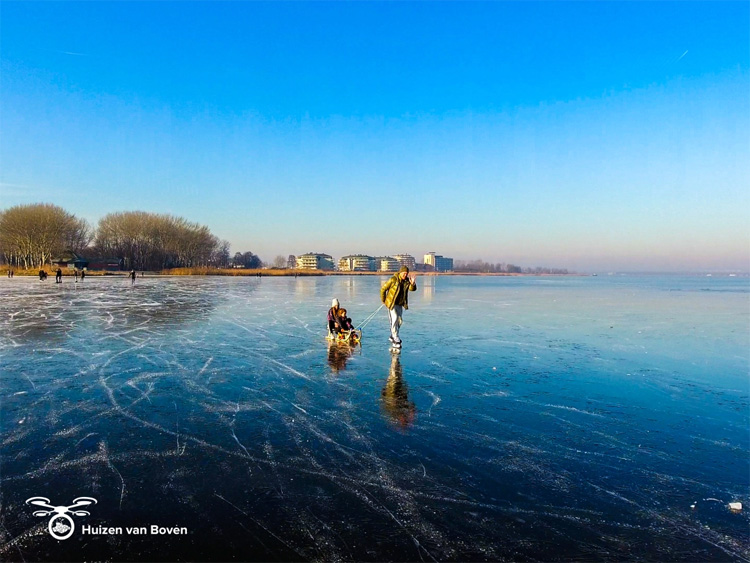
{"points": [[394, 398]]}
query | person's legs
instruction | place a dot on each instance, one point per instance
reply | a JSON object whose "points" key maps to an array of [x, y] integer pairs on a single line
{"points": [[394, 315]]}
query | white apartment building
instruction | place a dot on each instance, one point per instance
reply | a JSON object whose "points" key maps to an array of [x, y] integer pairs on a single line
{"points": [[357, 263], [406, 260], [314, 261], [387, 264]]}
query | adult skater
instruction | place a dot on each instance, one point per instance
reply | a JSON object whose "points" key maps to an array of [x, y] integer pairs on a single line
{"points": [[132, 277], [395, 296], [58, 276], [83, 274]]}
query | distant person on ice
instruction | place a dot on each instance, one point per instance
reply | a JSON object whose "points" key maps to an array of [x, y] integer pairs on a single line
{"points": [[58, 276], [132, 277], [395, 296]]}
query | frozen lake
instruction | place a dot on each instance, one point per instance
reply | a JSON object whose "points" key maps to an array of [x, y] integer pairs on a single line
{"points": [[525, 419]]}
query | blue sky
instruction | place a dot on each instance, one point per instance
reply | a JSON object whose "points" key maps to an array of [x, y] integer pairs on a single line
{"points": [[586, 135]]}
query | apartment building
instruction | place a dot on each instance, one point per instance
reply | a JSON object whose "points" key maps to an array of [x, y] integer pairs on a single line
{"points": [[314, 261], [438, 263], [357, 263], [405, 260]]}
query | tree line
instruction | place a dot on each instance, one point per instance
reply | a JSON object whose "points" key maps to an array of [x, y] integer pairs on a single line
{"points": [[31, 236], [478, 266]]}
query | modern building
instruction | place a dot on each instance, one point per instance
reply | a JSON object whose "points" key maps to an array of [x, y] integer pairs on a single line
{"points": [[357, 263], [406, 260], [438, 263], [315, 261], [387, 264]]}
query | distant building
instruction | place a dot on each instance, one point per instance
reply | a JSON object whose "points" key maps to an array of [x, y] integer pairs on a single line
{"points": [[314, 261], [406, 260], [357, 263], [71, 260], [387, 264], [438, 263], [107, 264], [443, 264]]}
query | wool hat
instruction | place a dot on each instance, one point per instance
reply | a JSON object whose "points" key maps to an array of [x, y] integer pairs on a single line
{"points": [[335, 302], [403, 269]]}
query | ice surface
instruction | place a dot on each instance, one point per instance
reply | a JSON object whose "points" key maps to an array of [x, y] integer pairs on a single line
{"points": [[524, 419]]}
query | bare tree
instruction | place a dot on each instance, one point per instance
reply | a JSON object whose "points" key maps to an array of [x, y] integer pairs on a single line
{"points": [[220, 257]]}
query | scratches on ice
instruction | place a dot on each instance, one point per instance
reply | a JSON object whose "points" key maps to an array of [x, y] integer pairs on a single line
{"points": [[133, 401]]}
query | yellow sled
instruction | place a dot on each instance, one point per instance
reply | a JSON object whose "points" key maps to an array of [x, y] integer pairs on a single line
{"points": [[346, 336]]}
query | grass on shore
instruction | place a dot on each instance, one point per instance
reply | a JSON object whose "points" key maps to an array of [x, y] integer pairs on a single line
{"points": [[234, 272]]}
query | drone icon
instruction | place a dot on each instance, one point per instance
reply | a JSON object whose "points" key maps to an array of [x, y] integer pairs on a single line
{"points": [[61, 525]]}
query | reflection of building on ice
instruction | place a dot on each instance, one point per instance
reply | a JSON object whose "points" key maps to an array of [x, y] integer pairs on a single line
{"points": [[305, 288], [395, 396], [428, 287]]}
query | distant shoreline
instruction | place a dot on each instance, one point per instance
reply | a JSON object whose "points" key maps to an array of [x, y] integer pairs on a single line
{"points": [[318, 273], [237, 272]]}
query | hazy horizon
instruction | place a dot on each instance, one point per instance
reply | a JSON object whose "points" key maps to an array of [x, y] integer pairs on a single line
{"points": [[595, 137]]}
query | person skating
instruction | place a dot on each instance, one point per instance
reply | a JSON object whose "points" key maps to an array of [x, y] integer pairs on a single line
{"points": [[395, 296], [58, 276], [132, 277]]}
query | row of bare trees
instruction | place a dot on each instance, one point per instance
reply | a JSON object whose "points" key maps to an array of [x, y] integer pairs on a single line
{"points": [[153, 241], [33, 235]]}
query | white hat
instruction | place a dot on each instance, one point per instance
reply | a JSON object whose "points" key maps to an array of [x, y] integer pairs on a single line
{"points": [[335, 302]]}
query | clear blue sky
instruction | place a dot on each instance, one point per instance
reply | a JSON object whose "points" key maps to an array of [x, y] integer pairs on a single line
{"points": [[587, 135]]}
